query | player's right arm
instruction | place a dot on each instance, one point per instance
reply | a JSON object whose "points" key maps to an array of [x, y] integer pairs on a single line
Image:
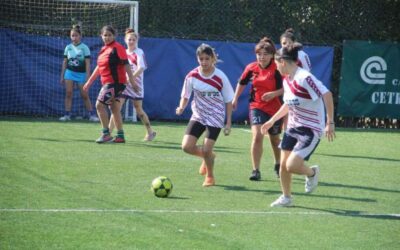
{"points": [[239, 90], [63, 68], [278, 115], [182, 105], [91, 79]]}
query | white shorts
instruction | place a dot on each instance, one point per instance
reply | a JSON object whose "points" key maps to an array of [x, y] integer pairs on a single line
{"points": [[301, 140], [129, 93]]}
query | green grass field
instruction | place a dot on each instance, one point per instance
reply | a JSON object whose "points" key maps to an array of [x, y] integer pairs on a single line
{"points": [[60, 190]]}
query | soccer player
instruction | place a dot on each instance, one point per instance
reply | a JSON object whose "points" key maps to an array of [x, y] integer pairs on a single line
{"points": [[288, 39], [266, 88], [212, 103], [304, 100], [113, 68], [76, 68], [138, 65]]}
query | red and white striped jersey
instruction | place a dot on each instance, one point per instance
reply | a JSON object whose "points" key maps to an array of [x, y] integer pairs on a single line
{"points": [[304, 61], [136, 58], [209, 96], [303, 95]]}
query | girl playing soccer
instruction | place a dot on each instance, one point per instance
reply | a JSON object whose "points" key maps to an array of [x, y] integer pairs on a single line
{"points": [[113, 68], [266, 88], [138, 65], [76, 68], [288, 39], [212, 99], [304, 100]]}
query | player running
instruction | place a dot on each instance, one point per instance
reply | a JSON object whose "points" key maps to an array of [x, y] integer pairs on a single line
{"points": [[304, 99], [266, 88], [212, 100]]}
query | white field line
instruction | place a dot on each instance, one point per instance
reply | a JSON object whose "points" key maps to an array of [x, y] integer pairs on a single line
{"points": [[94, 210], [245, 130]]}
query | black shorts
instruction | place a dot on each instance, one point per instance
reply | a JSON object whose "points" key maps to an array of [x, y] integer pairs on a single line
{"points": [[110, 92], [259, 117], [196, 129]]}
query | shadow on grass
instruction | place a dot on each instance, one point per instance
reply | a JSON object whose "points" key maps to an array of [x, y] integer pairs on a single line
{"points": [[353, 213], [245, 189], [339, 185], [360, 157]]}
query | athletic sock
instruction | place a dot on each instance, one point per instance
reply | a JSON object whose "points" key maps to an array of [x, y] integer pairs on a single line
{"points": [[120, 134], [106, 131]]}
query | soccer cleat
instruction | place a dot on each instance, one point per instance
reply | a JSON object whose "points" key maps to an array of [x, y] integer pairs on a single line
{"points": [[312, 182], [93, 118], [65, 118], [282, 201], [255, 175], [150, 137], [104, 138], [276, 168], [208, 182], [203, 170], [119, 140]]}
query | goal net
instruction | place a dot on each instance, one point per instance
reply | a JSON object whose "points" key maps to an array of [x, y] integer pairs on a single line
{"points": [[34, 34]]}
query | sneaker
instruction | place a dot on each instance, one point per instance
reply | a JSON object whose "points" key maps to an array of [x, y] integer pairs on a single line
{"points": [[255, 175], [282, 201], [312, 182], [65, 118], [208, 182], [104, 138], [119, 140], [94, 118], [276, 168], [150, 137]]}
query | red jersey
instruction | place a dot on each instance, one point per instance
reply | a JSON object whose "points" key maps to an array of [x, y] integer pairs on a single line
{"points": [[111, 63], [263, 81]]}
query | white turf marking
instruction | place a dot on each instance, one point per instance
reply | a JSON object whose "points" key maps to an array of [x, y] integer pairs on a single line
{"points": [[246, 130], [93, 210]]}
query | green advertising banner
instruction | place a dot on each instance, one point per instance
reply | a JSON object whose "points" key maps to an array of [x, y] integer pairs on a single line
{"points": [[370, 81]]}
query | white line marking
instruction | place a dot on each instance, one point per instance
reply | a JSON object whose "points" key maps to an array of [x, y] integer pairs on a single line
{"points": [[245, 130], [95, 210]]}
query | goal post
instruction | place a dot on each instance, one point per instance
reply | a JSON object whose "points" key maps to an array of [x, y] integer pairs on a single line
{"points": [[33, 36]]}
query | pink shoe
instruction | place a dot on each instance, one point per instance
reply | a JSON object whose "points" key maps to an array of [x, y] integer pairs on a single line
{"points": [[104, 138]]}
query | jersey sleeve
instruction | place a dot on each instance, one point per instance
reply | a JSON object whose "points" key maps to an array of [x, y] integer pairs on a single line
{"points": [[122, 54], [305, 61], [187, 87], [141, 60], [66, 51], [315, 87], [227, 90], [86, 51], [246, 76]]}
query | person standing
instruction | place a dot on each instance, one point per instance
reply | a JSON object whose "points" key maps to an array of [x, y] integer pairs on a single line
{"points": [[113, 68], [211, 105], [138, 65], [266, 88], [76, 69], [305, 100]]}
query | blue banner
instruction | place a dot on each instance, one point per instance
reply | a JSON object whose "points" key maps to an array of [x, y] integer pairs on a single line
{"points": [[31, 66]]}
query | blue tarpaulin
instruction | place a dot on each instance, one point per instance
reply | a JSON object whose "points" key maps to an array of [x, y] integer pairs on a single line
{"points": [[30, 67]]}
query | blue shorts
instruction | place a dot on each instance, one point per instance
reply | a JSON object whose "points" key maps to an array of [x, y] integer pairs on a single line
{"points": [[258, 117], [301, 140], [78, 77]]}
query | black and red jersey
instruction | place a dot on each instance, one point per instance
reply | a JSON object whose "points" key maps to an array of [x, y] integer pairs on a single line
{"points": [[111, 63], [263, 81]]}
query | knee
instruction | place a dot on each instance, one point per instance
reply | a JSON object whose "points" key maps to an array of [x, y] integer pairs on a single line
{"points": [[258, 138], [207, 153], [187, 148]]}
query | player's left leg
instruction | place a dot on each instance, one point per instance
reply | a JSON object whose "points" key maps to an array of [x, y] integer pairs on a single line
{"points": [[145, 120], [88, 104]]}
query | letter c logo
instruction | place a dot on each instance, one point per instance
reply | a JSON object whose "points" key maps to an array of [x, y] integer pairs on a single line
{"points": [[372, 70]]}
